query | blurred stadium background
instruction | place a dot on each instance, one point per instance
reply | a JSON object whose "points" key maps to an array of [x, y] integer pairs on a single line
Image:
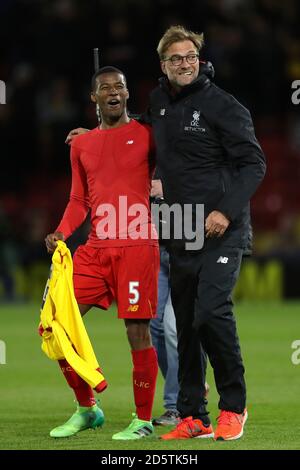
{"points": [[46, 63]]}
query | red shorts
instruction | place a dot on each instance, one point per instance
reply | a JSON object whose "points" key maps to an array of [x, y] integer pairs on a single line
{"points": [[127, 274]]}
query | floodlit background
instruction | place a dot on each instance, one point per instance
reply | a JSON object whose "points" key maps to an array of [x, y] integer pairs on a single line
{"points": [[46, 63]]}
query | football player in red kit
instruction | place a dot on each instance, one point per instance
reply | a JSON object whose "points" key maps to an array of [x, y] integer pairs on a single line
{"points": [[112, 167]]}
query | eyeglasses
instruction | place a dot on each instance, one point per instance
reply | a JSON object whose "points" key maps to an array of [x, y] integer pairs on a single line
{"points": [[178, 59]]}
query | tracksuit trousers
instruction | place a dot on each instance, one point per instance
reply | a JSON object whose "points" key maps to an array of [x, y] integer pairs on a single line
{"points": [[201, 288]]}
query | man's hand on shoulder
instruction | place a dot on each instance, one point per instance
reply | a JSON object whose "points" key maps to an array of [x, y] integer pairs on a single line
{"points": [[74, 132], [51, 240], [216, 224]]}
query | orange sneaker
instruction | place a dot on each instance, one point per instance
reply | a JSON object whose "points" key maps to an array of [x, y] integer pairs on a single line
{"points": [[230, 425], [188, 428]]}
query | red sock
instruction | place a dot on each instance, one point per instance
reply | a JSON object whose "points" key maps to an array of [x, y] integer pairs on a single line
{"points": [[145, 369], [83, 392]]}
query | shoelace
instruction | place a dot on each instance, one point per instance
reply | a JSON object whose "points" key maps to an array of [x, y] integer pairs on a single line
{"points": [[185, 422], [171, 414], [226, 417]]}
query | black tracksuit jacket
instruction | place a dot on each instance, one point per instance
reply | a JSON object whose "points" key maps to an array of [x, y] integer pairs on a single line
{"points": [[207, 152]]}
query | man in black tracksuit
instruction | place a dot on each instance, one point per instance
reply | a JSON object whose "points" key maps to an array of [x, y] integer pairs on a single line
{"points": [[207, 153]]}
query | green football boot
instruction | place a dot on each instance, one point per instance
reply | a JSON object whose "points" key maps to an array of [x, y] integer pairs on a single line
{"points": [[136, 430], [83, 418]]}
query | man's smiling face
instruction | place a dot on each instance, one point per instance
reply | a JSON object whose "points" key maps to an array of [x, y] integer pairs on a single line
{"points": [[185, 73], [111, 95]]}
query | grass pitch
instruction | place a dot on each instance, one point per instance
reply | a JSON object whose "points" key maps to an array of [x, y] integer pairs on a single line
{"points": [[34, 397]]}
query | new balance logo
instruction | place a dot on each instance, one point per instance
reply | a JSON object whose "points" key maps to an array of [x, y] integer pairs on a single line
{"points": [[133, 308], [129, 142], [222, 259]]}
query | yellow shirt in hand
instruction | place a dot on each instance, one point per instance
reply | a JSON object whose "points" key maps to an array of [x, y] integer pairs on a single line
{"points": [[64, 335]]}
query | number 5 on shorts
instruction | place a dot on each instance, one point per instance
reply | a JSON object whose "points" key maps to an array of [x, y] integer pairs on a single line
{"points": [[133, 291]]}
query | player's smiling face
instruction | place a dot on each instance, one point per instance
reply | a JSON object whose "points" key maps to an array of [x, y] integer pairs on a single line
{"points": [[185, 73], [111, 95]]}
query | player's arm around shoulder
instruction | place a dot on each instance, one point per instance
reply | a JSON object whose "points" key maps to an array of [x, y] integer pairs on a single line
{"points": [[74, 133]]}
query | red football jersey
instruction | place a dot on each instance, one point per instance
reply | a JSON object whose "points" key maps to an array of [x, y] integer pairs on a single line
{"points": [[111, 177]]}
